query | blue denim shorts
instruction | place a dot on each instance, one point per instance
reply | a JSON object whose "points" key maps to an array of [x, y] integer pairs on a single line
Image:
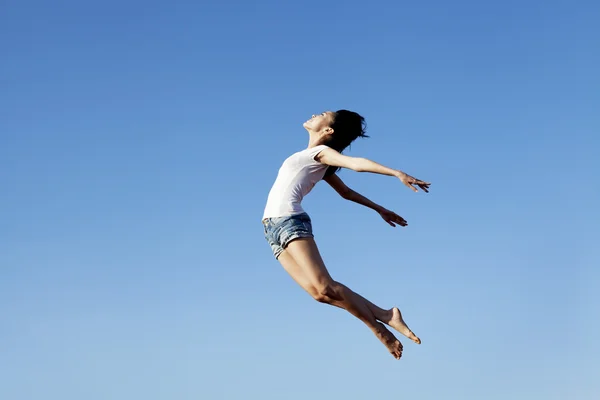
{"points": [[282, 230]]}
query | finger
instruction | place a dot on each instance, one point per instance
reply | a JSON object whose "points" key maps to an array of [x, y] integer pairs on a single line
{"points": [[401, 221], [409, 181], [423, 182], [424, 187]]}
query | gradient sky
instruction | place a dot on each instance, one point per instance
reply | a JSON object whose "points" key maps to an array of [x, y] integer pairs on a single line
{"points": [[139, 140]]}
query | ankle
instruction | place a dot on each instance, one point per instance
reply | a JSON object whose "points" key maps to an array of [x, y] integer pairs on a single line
{"points": [[378, 328], [385, 316]]}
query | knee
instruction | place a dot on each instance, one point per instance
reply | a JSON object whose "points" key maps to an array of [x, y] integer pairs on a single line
{"points": [[321, 297], [327, 292]]}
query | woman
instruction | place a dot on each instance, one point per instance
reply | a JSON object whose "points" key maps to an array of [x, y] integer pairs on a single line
{"points": [[288, 228]]}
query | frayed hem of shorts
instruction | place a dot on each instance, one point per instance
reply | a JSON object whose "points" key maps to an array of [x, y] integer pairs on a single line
{"points": [[294, 237], [291, 239]]}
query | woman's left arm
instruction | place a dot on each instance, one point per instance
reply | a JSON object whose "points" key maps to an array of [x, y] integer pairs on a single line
{"points": [[359, 164]]}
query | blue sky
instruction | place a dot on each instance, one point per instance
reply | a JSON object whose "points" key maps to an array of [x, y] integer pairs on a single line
{"points": [[139, 140]]}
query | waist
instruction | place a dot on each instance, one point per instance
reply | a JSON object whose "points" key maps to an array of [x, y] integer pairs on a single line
{"points": [[275, 209]]}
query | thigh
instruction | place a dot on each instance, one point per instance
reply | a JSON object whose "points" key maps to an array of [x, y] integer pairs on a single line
{"points": [[296, 272], [305, 253]]}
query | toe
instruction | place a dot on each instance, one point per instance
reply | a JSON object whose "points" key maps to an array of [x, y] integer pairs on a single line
{"points": [[414, 337]]}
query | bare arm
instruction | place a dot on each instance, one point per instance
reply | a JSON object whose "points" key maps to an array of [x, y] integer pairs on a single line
{"points": [[340, 187], [359, 164]]}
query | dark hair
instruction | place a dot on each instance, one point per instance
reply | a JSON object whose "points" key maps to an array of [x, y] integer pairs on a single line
{"points": [[347, 126]]}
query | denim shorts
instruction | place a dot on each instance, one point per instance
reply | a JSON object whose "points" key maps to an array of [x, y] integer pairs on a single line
{"points": [[282, 230]]}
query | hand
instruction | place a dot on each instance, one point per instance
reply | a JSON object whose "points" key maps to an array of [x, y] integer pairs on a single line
{"points": [[392, 218], [410, 181]]}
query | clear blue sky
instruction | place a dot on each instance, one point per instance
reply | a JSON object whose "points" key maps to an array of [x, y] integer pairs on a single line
{"points": [[138, 142]]}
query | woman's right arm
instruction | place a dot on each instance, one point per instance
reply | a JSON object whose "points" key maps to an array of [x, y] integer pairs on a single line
{"points": [[388, 216]]}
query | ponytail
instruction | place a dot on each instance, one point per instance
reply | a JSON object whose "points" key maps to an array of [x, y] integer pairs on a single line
{"points": [[347, 126]]}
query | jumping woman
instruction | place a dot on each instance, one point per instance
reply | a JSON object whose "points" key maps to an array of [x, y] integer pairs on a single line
{"points": [[288, 228]]}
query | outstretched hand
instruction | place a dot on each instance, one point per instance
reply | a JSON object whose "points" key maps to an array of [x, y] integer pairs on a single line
{"points": [[411, 180], [392, 218]]}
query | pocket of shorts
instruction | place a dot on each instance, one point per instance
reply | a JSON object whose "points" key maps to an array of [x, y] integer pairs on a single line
{"points": [[307, 224]]}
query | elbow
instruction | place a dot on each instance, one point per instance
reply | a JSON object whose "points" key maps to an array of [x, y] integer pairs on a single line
{"points": [[347, 194], [358, 165]]}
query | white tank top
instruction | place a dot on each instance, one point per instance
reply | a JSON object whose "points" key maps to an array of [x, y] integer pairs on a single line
{"points": [[297, 176]]}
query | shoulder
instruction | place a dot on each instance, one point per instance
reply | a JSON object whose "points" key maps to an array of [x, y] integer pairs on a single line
{"points": [[334, 158], [315, 152]]}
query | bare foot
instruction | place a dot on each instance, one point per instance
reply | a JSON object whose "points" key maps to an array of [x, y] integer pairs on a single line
{"points": [[389, 340], [398, 324]]}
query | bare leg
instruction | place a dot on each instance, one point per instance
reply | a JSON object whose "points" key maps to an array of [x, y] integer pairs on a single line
{"points": [[391, 317], [303, 262]]}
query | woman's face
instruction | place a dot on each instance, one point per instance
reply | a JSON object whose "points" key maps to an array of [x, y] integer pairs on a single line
{"points": [[319, 122]]}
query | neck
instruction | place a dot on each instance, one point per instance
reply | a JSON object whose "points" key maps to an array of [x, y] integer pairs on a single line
{"points": [[315, 140]]}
